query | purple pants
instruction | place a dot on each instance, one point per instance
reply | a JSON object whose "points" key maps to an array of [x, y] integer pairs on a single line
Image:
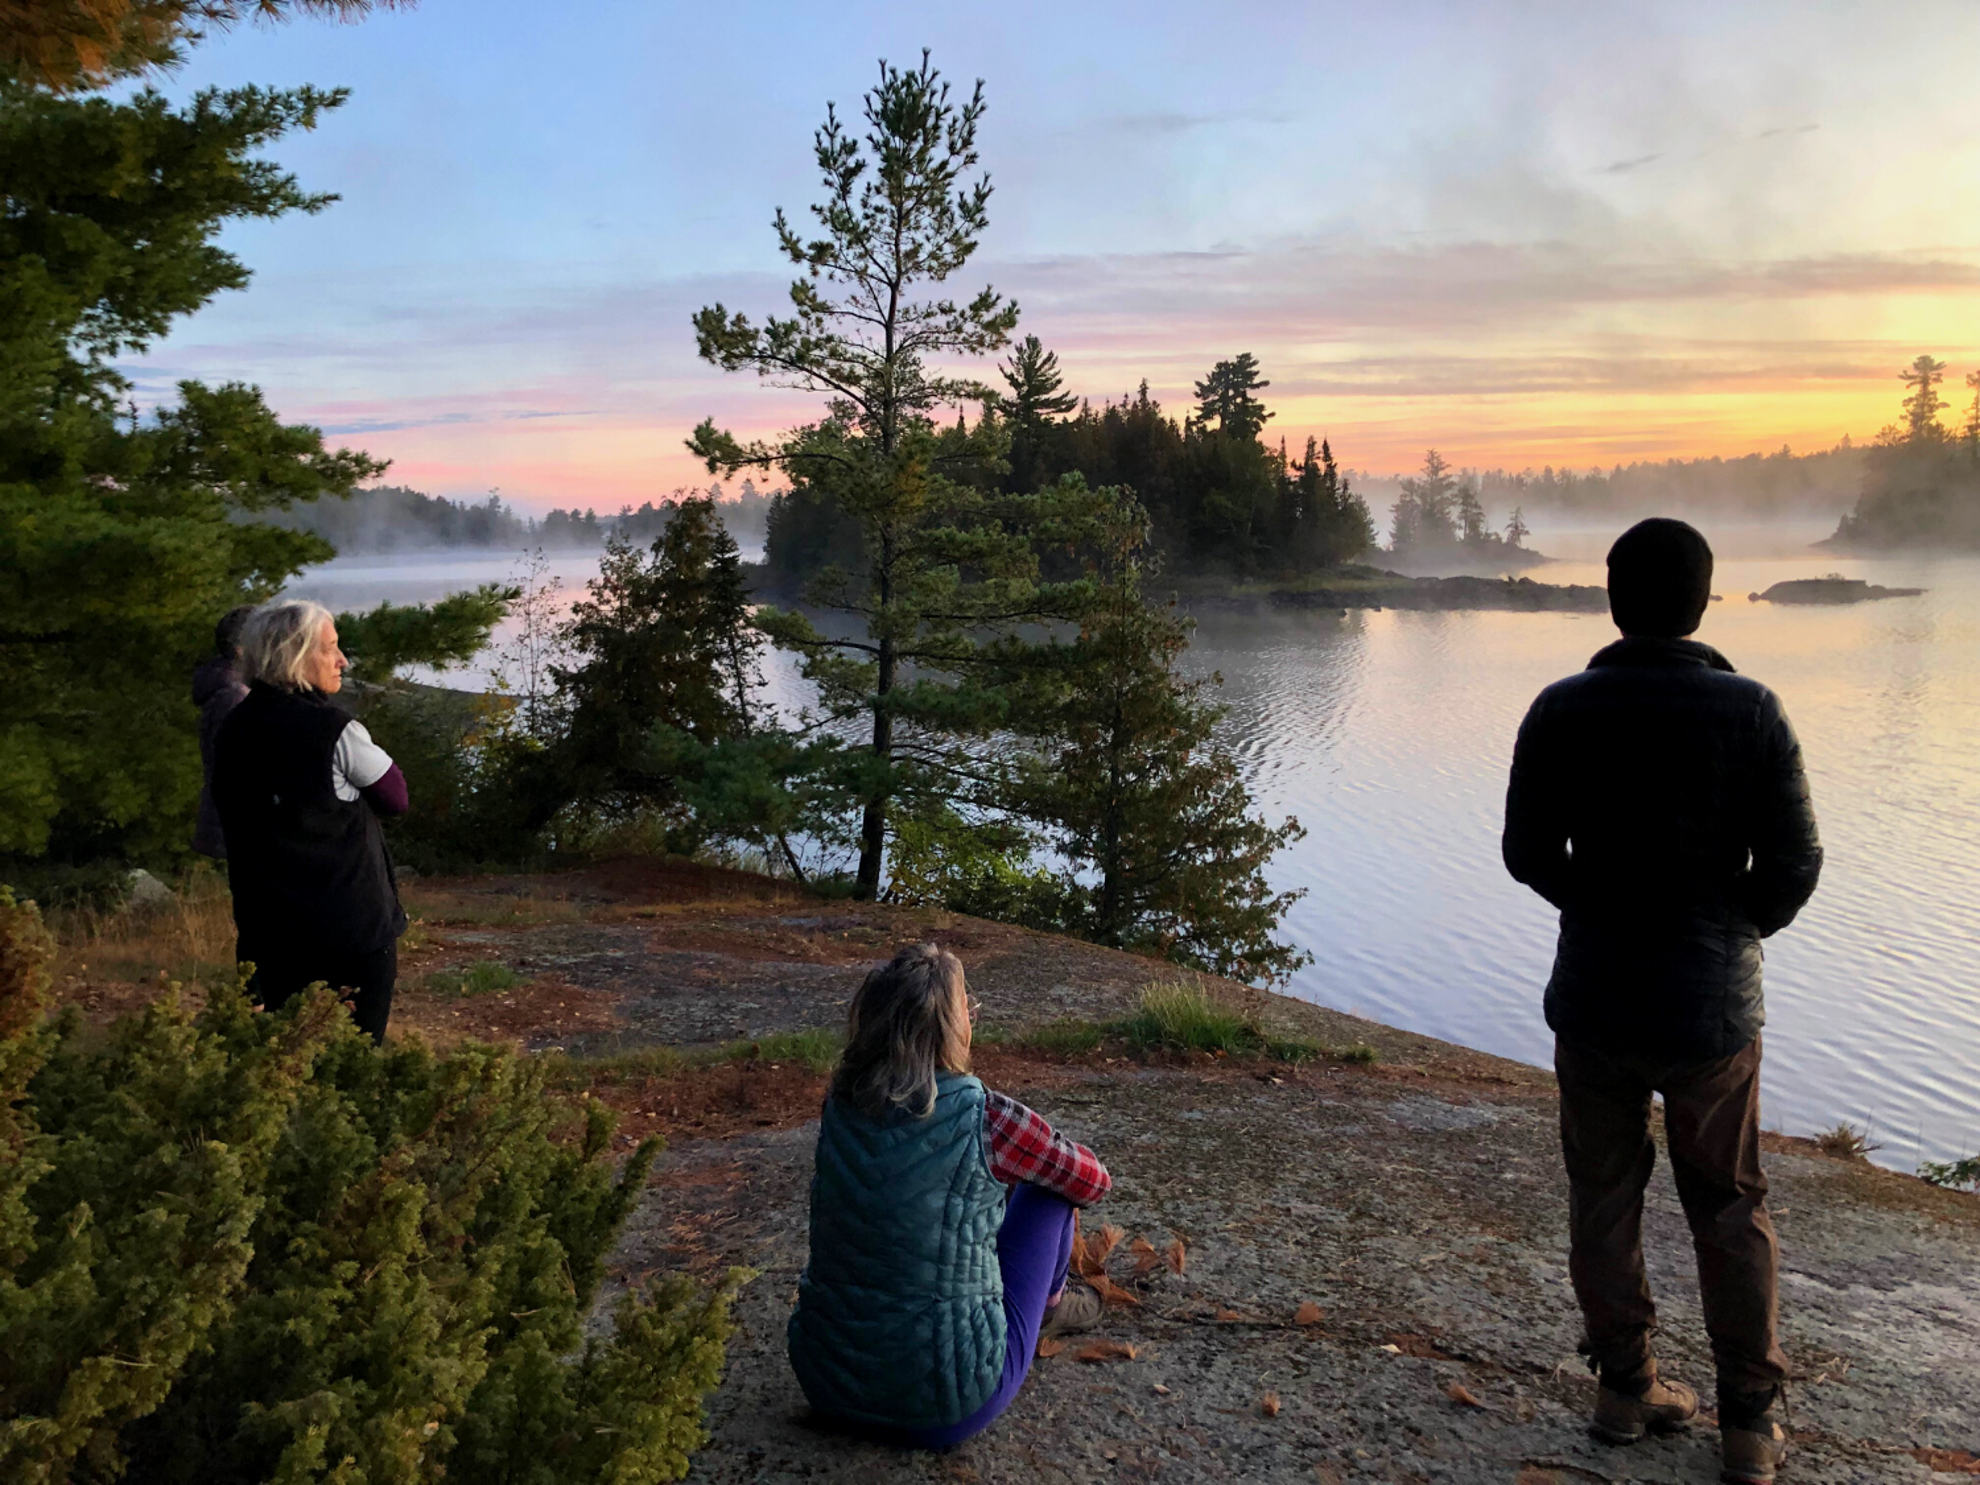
{"points": [[1034, 1250]]}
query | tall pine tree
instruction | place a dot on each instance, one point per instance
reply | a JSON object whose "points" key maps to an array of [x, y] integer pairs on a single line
{"points": [[943, 567]]}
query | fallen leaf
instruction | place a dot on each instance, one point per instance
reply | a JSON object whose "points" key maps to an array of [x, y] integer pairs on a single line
{"points": [[1268, 1405], [1080, 1262], [1105, 1351], [1229, 1315], [1308, 1314], [1159, 1390], [1418, 1346], [1049, 1347], [1145, 1256], [1098, 1247], [1110, 1292], [1457, 1392], [1529, 1475], [1393, 1350], [1173, 1255]]}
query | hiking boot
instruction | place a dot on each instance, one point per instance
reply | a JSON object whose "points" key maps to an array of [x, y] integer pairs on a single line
{"points": [[1078, 1309], [1750, 1455], [1663, 1407]]}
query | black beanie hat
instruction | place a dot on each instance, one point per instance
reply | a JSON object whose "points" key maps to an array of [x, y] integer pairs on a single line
{"points": [[1660, 578]]}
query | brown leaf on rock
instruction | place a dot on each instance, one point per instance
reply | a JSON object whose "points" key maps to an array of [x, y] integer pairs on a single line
{"points": [[1223, 1314], [1533, 1475], [1173, 1256], [1103, 1242], [1457, 1392], [1110, 1292], [1308, 1314], [1268, 1405], [1105, 1351], [1049, 1347], [1418, 1346], [1145, 1256]]}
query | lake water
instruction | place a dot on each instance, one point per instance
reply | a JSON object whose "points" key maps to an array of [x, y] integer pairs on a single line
{"points": [[1389, 733]]}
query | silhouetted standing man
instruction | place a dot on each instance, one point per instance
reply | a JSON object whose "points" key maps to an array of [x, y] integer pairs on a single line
{"points": [[1658, 800]]}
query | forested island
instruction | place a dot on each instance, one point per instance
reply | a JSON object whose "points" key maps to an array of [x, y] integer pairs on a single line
{"points": [[1921, 479]]}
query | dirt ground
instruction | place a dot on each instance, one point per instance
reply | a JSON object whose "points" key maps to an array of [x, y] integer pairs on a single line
{"points": [[1375, 1280]]}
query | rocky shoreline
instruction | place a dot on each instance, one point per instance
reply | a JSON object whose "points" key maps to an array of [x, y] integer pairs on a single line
{"points": [[1374, 1284]]}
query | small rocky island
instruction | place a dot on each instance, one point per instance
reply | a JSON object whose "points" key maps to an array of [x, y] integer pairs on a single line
{"points": [[1832, 588], [1368, 587]]}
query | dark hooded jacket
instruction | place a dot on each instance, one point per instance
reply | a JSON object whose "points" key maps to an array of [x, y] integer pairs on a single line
{"points": [[1658, 800], [217, 689]]}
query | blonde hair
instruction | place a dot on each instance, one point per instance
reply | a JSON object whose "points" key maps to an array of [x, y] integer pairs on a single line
{"points": [[277, 639], [909, 1022]]}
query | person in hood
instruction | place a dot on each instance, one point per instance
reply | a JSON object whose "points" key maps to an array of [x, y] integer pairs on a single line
{"points": [[1658, 800], [217, 688], [301, 788]]}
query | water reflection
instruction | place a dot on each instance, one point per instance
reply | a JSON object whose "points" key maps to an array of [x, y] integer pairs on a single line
{"points": [[1389, 735]]}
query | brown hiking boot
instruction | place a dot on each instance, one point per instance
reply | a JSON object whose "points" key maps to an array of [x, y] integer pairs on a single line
{"points": [[1078, 1309], [1664, 1407], [1749, 1456]]}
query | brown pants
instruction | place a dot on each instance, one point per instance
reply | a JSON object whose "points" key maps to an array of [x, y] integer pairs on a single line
{"points": [[1712, 1123]]}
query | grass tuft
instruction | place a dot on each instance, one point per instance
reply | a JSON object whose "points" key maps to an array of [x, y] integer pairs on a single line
{"points": [[816, 1048], [1065, 1037], [1181, 1017], [1846, 1142], [1184, 1018], [483, 977]]}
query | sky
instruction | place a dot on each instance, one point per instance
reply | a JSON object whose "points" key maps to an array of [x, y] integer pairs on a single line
{"points": [[1525, 234]]}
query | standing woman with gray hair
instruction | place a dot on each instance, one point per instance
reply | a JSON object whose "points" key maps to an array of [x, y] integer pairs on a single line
{"points": [[300, 788]]}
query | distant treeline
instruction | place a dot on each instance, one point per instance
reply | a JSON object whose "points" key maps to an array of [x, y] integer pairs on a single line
{"points": [[392, 518], [1782, 483]]}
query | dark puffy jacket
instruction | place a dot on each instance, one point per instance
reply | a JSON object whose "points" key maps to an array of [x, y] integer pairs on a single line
{"points": [[1658, 801]]}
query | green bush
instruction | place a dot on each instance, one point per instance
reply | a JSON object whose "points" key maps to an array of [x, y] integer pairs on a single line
{"points": [[239, 1247], [1953, 1173]]}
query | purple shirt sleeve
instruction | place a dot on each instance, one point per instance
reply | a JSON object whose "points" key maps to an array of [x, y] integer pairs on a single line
{"points": [[387, 796]]}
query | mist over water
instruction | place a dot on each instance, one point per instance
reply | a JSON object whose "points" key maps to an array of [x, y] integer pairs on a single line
{"points": [[1389, 734]]}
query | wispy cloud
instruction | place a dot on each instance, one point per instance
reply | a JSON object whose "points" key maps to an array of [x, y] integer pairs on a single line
{"points": [[1623, 167]]}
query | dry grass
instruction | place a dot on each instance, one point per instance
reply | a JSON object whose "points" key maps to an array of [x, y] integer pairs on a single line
{"points": [[120, 955]]}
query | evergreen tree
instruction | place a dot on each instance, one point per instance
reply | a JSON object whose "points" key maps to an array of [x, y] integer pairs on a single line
{"points": [[66, 45], [1470, 513], [661, 640], [1516, 528], [942, 563], [1922, 403], [1132, 788], [122, 539], [1426, 515], [1225, 398], [1032, 374]]}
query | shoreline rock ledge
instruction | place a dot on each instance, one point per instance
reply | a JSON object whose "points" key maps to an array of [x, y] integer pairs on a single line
{"points": [[1375, 1285]]}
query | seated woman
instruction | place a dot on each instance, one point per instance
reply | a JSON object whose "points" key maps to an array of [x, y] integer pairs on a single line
{"points": [[927, 1291]]}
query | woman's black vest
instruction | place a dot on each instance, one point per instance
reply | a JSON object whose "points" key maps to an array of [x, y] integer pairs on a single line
{"points": [[310, 872]]}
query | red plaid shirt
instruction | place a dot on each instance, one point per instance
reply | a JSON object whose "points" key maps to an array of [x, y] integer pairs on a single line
{"points": [[1023, 1147]]}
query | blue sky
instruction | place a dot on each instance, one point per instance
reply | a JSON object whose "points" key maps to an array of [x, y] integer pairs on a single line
{"points": [[1526, 234]]}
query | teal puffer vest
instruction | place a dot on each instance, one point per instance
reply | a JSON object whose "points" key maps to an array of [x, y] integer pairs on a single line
{"points": [[900, 1313]]}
